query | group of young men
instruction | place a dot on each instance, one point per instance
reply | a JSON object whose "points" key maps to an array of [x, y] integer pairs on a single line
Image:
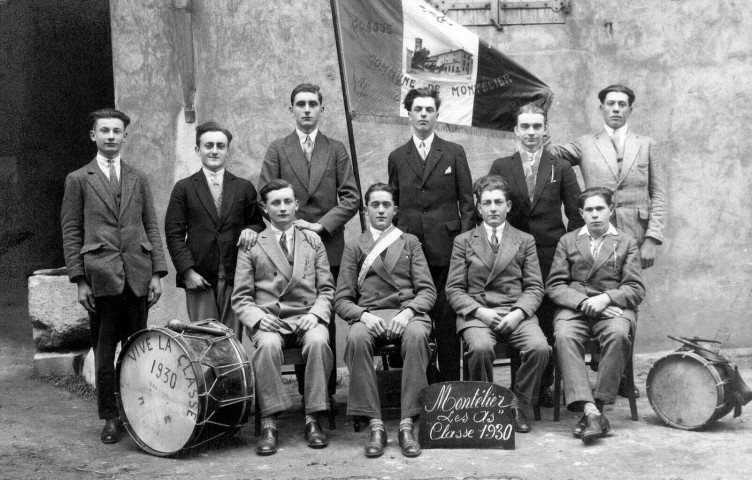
{"points": [[421, 270]]}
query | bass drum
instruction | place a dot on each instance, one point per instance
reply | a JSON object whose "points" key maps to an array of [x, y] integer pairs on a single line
{"points": [[688, 391], [176, 391]]}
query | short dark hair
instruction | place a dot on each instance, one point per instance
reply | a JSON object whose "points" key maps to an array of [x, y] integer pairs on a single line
{"points": [[531, 108], [382, 187], [276, 184], [306, 87], [603, 192], [618, 88], [212, 126], [421, 92], [108, 113], [490, 183]]}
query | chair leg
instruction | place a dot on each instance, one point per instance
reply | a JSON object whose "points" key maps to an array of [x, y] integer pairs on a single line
{"points": [[557, 386], [629, 373], [465, 366]]}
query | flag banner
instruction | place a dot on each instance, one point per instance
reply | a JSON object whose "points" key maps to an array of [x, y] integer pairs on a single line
{"points": [[391, 46]]}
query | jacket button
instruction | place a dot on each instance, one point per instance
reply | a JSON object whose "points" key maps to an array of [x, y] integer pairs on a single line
{"points": [[275, 274], [305, 302], [423, 211]]}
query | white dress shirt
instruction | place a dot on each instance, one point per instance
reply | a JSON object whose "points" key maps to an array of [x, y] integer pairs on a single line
{"points": [[103, 163]]}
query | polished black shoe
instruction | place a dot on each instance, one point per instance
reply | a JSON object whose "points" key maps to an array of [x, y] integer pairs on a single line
{"points": [[409, 445], [315, 435], [111, 431], [581, 425], [546, 398], [267, 444], [520, 421], [624, 389], [376, 443], [597, 426]]}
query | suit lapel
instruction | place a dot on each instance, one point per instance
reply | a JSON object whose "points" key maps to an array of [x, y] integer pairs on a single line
{"points": [[268, 242], [97, 180], [481, 247], [604, 145], [412, 158], [201, 185], [434, 155], [608, 247], [382, 268], [322, 152], [228, 195], [583, 245], [301, 258], [631, 149], [519, 176], [507, 251], [544, 176], [296, 158]]}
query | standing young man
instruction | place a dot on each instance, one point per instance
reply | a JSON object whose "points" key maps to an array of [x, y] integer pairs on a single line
{"points": [[385, 292], [209, 215], [495, 287], [113, 251], [596, 283], [283, 293], [539, 184], [433, 181]]}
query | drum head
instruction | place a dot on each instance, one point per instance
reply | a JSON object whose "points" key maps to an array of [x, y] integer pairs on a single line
{"points": [[159, 391], [683, 391]]}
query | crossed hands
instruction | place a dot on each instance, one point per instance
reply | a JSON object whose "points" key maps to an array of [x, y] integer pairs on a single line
{"points": [[497, 323], [391, 330]]}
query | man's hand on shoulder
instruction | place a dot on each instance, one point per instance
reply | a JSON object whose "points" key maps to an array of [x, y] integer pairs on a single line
{"points": [[247, 239], [86, 295], [311, 234]]}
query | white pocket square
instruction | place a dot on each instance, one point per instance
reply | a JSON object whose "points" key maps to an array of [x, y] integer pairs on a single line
{"points": [[448, 170]]}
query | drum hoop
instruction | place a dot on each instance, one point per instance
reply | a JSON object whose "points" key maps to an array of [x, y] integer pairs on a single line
{"points": [[200, 388]]}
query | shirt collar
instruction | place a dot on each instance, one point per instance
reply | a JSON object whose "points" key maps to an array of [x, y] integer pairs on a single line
{"points": [[489, 229], [301, 135], [525, 155], [375, 233], [103, 161], [428, 141], [621, 131], [278, 233], [219, 174], [611, 231]]}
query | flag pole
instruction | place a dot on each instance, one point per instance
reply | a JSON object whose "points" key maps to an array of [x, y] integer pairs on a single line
{"points": [[348, 114]]}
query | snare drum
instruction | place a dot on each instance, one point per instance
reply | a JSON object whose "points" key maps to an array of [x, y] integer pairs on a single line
{"points": [[689, 391], [176, 391]]}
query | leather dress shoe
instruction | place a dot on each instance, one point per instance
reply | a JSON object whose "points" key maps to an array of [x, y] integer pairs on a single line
{"points": [[315, 435], [597, 426], [376, 443], [520, 421], [546, 399], [111, 431], [624, 389], [267, 444], [581, 425], [409, 445]]}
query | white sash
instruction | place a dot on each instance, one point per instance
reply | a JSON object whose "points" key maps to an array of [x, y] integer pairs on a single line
{"points": [[382, 243]]}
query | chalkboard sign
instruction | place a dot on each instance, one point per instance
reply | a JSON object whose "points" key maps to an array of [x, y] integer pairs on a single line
{"points": [[466, 415]]}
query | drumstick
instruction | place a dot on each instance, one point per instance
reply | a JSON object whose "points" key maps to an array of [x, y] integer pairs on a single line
{"points": [[178, 326]]}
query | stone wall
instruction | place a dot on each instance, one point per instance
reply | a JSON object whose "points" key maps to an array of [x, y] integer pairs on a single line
{"points": [[688, 62]]}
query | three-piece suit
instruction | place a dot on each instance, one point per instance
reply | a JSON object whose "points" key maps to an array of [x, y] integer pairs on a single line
{"points": [[397, 280]]}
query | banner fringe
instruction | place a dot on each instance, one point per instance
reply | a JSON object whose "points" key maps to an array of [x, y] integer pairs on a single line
{"points": [[440, 127]]}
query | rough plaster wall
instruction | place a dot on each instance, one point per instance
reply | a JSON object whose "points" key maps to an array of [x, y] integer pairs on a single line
{"points": [[687, 61]]}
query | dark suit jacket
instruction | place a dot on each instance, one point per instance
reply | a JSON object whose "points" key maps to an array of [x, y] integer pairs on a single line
{"points": [[401, 280], [576, 275], [196, 234], [265, 282], [556, 184], [478, 278], [108, 246], [327, 195], [435, 203]]}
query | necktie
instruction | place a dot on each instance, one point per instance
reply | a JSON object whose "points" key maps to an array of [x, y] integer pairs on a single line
{"points": [[216, 190], [308, 148], [113, 174], [283, 244], [422, 150], [530, 174], [616, 142], [494, 241]]}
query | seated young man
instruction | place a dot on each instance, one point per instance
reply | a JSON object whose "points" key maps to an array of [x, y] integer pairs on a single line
{"points": [[283, 294], [384, 292], [595, 280], [495, 287]]}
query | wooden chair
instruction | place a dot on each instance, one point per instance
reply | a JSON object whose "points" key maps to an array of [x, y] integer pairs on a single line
{"points": [[294, 356], [505, 356], [391, 355], [593, 350]]}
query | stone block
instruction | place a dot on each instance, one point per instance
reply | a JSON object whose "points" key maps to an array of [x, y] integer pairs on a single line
{"points": [[58, 363], [59, 322], [88, 371]]}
